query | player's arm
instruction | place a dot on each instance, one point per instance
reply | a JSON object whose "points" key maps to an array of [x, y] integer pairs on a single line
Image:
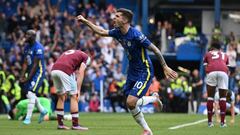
{"points": [[34, 68], [24, 69], [80, 75], [232, 113], [168, 71], [97, 29]]}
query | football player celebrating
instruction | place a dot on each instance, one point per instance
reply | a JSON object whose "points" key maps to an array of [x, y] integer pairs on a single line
{"points": [[140, 72]]}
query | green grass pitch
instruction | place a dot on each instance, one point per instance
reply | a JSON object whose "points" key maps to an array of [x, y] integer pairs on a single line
{"points": [[120, 124]]}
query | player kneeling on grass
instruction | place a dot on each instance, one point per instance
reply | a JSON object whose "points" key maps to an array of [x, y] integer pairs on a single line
{"points": [[67, 74], [20, 112]]}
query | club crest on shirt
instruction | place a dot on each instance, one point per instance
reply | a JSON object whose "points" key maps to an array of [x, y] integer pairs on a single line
{"points": [[39, 51]]}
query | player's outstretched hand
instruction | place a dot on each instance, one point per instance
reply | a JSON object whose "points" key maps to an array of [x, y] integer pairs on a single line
{"points": [[80, 18], [169, 73], [232, 121]]}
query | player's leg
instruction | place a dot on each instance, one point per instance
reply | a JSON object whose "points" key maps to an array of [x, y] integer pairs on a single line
{"points": [[210, 102], [136, 112], [58, 77], [211, 86], [150, 99], [60, 111], [222, 105], [37, 81], [74, 102], [223, 88], [136, 92], [31, 97], [74, 113]]}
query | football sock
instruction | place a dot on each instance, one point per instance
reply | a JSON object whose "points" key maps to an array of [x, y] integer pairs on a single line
{"points": [[195, 106], [74, 118], [30, 107], [222, 104], [39, 106], [139, 118], [146, 100], [210, 108], [60, 114]]}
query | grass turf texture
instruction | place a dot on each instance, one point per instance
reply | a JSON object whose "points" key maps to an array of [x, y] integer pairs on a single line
{"points": [[120, 124]]}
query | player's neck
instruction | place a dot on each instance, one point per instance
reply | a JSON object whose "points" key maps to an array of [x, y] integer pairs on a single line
{"points": [[124, 29], [32, 43]]}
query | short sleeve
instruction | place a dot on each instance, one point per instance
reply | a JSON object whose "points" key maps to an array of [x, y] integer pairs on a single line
{"points": [[113, 32], [84, 58], [227, 59], [142, 39], [205, 62]]}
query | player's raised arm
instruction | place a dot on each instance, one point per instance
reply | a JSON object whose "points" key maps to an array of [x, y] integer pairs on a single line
{"points": [[97, 29], [167, 71]]}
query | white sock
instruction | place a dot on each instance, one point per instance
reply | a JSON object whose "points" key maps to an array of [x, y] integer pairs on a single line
{"points": [[139, 118], [195, 106], [30, 108], [146, 100], [38, 104]]}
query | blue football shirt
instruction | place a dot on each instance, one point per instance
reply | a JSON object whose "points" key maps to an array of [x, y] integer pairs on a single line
{"points": [[32, 52], [135, 45]]}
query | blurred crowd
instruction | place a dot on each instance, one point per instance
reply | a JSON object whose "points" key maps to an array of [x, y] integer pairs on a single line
{"points": [[58, 31]]}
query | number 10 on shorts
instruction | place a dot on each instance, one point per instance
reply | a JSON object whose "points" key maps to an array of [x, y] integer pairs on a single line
{"points": [[138, 84]]}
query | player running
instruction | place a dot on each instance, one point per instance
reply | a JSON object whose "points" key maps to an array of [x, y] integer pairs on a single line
{"points": [[216, 68], [32, 76], [140, 72], [67, 74]]}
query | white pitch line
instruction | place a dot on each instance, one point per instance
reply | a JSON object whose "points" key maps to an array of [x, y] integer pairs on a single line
{"points": [[188, 124]]}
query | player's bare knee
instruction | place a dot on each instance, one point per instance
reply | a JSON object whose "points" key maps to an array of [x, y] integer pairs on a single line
{"points": [[74, 98], [131, 103], [61, 97]]}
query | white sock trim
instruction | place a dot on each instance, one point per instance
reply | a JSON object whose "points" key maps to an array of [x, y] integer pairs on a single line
{"points": [[223, 99], [210, 98]]}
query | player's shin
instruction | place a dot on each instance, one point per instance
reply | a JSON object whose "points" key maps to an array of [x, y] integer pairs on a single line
{"points": [[60, 110], [210, 108], [39, 106], [139, 118], [60, 114], [74, 110], [31, 96], [222, 104]]}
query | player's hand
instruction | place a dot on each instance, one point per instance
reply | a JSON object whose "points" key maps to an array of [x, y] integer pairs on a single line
{"points": [[80, 18], [23, 80], [78, 95], [232, 121], [169, 73]]}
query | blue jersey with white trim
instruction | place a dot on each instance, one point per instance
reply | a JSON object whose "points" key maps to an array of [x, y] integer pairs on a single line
{"points": [[32, 52], [135, 45]]}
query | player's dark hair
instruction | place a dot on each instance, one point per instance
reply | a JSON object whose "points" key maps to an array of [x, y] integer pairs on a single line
{"points": [[128, 14], [32, 34], [215, 44]]}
